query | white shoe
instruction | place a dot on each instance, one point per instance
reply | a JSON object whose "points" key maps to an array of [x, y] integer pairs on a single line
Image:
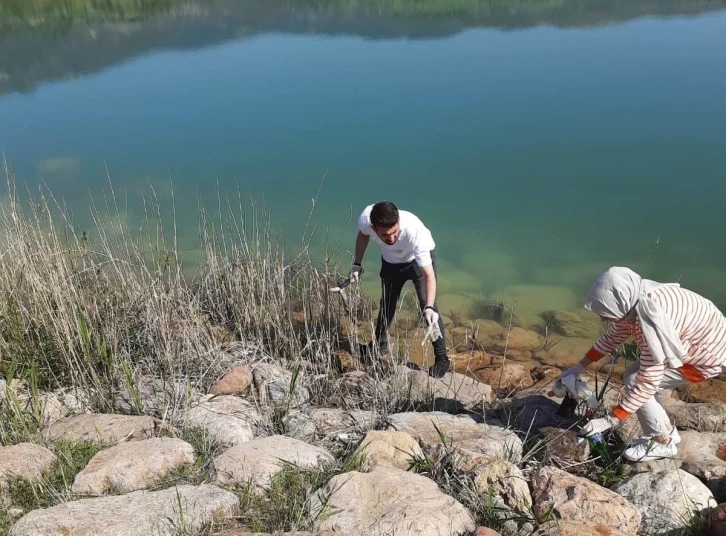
{"points": [[652, 450], [675, 437]]}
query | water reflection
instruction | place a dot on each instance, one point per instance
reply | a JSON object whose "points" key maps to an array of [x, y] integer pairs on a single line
{"points": [[44, 40]]}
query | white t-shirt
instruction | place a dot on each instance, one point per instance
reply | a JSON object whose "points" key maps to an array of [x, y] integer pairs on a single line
{"points": [[414, 241]]}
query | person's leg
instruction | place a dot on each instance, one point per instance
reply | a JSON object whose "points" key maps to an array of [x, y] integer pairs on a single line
{"points": [[392, 281], [652, 416], [654, 420], [441, 359]]}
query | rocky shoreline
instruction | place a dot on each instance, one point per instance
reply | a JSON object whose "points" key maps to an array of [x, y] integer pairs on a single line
{"points": [[394, 451]]}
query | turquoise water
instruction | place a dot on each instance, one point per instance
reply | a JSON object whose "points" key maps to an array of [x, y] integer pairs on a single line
{"points": [[539, 147]]}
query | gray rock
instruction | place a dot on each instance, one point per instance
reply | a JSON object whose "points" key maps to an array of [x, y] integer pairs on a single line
{"points": [[277, 386], [388, 448], [255, 462], [227, 419], [140, 513], [575, 528], [25, 460], [132, 466], [103, 428], [666, 499], [700, 455], [389, 501], [573, 498], [453, 393], [320, 423], [499, 480], [702, 417], [460, 432]]}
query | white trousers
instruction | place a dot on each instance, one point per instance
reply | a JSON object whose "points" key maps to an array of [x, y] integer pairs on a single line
{"points": [[652, 417]]}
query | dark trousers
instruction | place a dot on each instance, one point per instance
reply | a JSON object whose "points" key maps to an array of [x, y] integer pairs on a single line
{"points": [[393, 277]]}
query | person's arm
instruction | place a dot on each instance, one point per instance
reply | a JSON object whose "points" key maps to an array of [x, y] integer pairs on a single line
{"points": [[361, 243], [430, 282], [649, 376], [613, 337]]}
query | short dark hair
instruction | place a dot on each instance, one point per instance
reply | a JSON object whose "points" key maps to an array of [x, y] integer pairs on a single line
{"points": [[384, 214]]}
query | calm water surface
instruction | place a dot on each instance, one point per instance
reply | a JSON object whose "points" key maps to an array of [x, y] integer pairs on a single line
{"points": [[541, 144]]}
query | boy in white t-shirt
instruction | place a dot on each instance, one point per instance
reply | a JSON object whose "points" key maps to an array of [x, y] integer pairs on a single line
{"points": [[408, 255]]}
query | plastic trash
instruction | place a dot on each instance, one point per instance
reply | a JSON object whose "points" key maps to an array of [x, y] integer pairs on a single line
{"points": [[433, 332]]}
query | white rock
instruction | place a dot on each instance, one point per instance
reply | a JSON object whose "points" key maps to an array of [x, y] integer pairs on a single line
{"points": [[103, 428], [699, 452], [666, 499], [227, 419], [141, 513], [389, 501], [453, 392], [461, 432], [388, 448], [500, 480], [256, 461], [274, 385], [574, 498], [25, 460], [132, 466]]}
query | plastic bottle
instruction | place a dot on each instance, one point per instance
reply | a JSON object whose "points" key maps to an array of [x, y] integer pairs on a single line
{"points": [[598, 445]]}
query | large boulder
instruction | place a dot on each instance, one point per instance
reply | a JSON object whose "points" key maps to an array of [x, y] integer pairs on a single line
{"points": [[388, 501], [704, 456], [141, 513], [103, 428], [460, 432], [243, 532], [279, 387], [575, 528], [454, 393], [235, 382], [388, 448], [323, 423], [500, 481], [152, 396], [573, 498], [704, 417], [132, 466], [227, 419], [255, 462], [25, 460], [667, 499]]}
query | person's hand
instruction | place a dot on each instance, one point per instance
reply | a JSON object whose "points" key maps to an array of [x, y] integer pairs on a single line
{"points": [[355, 273], [598, 426], [431, 316], [572, 371]]}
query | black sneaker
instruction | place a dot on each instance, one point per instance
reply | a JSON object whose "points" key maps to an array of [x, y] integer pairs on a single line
{"points": [[440, 368]]}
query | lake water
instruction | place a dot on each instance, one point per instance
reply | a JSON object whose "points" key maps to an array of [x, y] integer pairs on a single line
{"points": [[541, 142]]}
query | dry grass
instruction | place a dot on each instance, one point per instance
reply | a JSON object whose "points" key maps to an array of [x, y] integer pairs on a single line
{"points": [[102, 310]]}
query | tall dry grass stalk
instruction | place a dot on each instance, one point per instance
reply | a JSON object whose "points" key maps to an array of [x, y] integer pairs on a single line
{"points": [[99, 307]]}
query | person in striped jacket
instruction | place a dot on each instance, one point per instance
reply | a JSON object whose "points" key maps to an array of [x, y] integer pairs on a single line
{"points": [[682, 338]]}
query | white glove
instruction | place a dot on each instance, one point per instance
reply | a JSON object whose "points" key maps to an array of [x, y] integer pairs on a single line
{"points": [[572, 371], [598, 426], [355, 273], [431, 316]]}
